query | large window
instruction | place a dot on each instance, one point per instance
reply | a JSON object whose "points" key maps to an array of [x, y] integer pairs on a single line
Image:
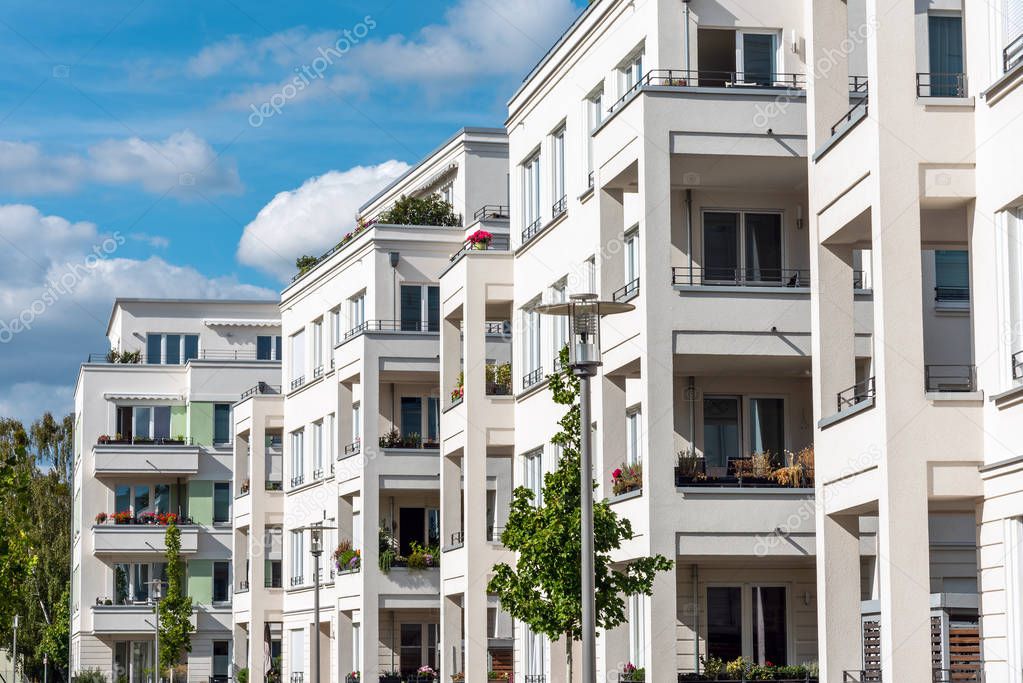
{"points": [[297, 654], [221, 581], [133, 581], [357, 311], [298, 356], [297, 558], [273, 556], [411, 416], [952, 276], [221, 659], [630, 73], [171, 349], [141, 498], [531, 194], [297, 457], [268, 347], [222, 423], [742, 247], [558, 169], [535, 652], [532, 474], [767, 426], [758, 55], [420, 308], [633, 437], [632, 256], [724, 622], [594, 117], [143, 423], [1013, 45], [945, 48], [317, 333], [720, 430], [748, 621], [532, 350], [317, 446], [133, 660], [637, 630], [221, 502], [418, 647]]}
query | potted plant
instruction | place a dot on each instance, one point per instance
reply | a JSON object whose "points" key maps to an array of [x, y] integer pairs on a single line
{"points": [[103, 439], [425, 674], [755, 470], [122, 517], [101, 517], [413, 440], [245, 486], [480, 239], [498, 676], [391, 439], [346, 558], [627, 478], [689, 468], [353, 677], [458, 677], [423, 557], [390, 677], [632, 674]]}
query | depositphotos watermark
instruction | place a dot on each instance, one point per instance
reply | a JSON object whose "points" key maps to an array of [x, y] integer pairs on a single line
{"points": [[306, 74], [58, 286]]}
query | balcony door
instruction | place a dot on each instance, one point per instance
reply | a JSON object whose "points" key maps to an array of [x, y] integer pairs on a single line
{"points": [[721, 436], [742, 247], [945, 47], [748, 621]]}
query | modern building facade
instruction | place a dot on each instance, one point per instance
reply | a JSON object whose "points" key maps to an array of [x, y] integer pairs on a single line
{"points": [[153, 438]]}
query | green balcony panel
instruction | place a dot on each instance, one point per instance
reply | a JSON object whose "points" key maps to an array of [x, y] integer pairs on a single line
{"points": [[200, 581], [200, 502], [200, 422], [179, 421]]}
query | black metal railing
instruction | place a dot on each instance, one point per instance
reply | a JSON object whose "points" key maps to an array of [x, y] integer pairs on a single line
{"points": [[860, 103], [297, 581], [631, 677], [535, 678], [972, 672], [498, 328], [741, 277], [273, 485], [531, 230], [1017, 365], [559, 207], [589, 180], [392, 326], [710, 78], [297, 481], [457, 537], [297, 677], [114, 357], [532, 378], [941, 85], [951, 293], [297, 382], [318, 372], [318, 473], [352, 678], [218, 678], [1012, 55], [857, 85], [950, 377], [627, 292], [350, 450], [489, 212], [105, 440], [243, 586], [260, 389], [856, 394]]}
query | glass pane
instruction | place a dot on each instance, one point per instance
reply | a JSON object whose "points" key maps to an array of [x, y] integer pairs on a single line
{"points": [[767, 426], [122, 498], [161, 497], [952, 275], [161, 422], [433, 527], [945, 44], [433, 419], [173, 349], [222, 423], [141, 499], [720, 246], [140, 580], [411, 416], [433, 308], [221, 658], [770, 636], [758, 58], [411, 307], [143, 415], [220, 581], [263, 348], [141, 661], [720, 430], [411, 648], [724, 622], [191, 346], [277, 348], [763, 247], [222, 501], [121, 574], [153, 342]]}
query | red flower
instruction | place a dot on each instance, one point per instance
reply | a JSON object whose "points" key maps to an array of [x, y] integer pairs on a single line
{"points": [[617, 473], [480, 236]]}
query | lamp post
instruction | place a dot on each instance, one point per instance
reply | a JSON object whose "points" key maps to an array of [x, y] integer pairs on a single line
{"points": [[16, 624], [156, 594], [316, 550], [584, 312]]}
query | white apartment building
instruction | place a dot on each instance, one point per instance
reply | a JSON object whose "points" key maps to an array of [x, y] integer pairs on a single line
{"points": [[153, 437], [358, 421]]}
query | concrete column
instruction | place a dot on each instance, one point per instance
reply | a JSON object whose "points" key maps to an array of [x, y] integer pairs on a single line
{"points": [[450, 498], [838, 595], [827, 71], [611, 217], [834, 363], [474, 470], [259, 466], [369, 600], [240, 642], [450, 636], [611, 450], [343, 646]]}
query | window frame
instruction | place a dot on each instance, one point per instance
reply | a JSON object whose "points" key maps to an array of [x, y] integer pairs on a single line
{"points": [[746, 616], [532, 200], [741, 268]]}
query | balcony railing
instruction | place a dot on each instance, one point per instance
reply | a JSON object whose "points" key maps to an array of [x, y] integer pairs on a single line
{"points": [[115, 357], [297, 677], [941, 85], [1017, 365], [273, 485], [942, 378], [297, 382], [589, 180], [297, 481], [859, 107], [243, 586], [535, 678], [318, 474], [631, 677], [261, 389], [708, 78], [500, 328], [627, 292], [457, 538], [748, 277], [531, 230], [1012, 55], [856, 394], [559, 207], [531, 379], [496, 243], [951, 293], [489, 212], [392, 326], [297, 581], [104, 440], [350, 450], [318, 372]]}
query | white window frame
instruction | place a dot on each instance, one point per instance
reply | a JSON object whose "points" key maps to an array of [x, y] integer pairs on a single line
{"points": [[1012, 549], [317, 343], [742, 266], [298, 359], [630, 72], [637, 630], [559, 330], [532, 349], [297, 559], [335, 326], [632, 255], [740, 57], [317, 446], [634, 437], [532, 473], [357, 422], [594, 117], [746, 600], [298, 453], [535, 652], [330, 424], [356, 310], [558, 191], [531, 190]]}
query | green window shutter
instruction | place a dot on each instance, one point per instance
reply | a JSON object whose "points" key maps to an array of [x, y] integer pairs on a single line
{"points": [[200, 581], [179, 421], [200, 502], [200, 423]]}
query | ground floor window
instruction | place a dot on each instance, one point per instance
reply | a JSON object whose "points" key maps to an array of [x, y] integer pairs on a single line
{"points": [[133, 661], [221, 659], [748, 621], [418, 647]]}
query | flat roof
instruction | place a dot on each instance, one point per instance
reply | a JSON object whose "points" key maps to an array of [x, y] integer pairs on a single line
{"points": [[170, 300], [554, 48]]}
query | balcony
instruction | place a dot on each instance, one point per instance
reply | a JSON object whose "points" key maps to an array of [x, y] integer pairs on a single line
{"points": [[261, 389], [477, 242], [115, 357], [159, 456], [116, 539], [1012, 55], [941, 85], [392, 326], [629, 291], [757, 470], [861, 392], [117, 619], [944, 378], [532, 379]]}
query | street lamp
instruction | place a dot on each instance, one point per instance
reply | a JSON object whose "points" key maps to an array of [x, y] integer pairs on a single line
{"points": [[584, 312], [316, 530], [16, 624], [156, 594]]}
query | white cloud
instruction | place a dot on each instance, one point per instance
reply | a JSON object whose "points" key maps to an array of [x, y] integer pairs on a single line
{"points": [[310, 219], [155, 241], [56, 289], [214, 58], [236, 55], [181, 164]]}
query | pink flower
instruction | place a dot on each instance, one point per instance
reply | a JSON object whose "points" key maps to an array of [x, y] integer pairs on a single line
{"points": [[617, 473], [480, 236]]}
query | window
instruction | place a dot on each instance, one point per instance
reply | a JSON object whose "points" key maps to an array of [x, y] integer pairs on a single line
{"points": [[530, 196], [447, 193], [558, 169], [330, 425], [133, 660], [1013, 50], [757, 58], [273, 551], [268, 347], [191, 346], [532, 348], [356, 422], [357, 311], [632, 256], [951, 276], [637, 630], [767, 426], [532, 474], [630, 73], [411, 416], [357, 646], [560, 331], [420, 304], [535, 652], [221, 502], [590, 275], [221, 659], [770, 632], [317, 340], [297, 558], [297, 654], [724, 622], [335, 327], [418, 647], [297, 457], [222, 423], [133, 581], [633, 443], [742, 247], [594, 117], [221, 582], [945, 48], [433, 419], [171, 349], [720, 430], [759, 611], [142, 423], [298, 356], [317, 439]]}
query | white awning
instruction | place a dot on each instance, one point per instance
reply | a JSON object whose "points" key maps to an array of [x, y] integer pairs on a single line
{"points": [[236, 322], [113, 396]]}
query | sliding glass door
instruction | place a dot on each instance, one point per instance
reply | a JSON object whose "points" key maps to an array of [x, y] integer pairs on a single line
{"points": [[742, 247], [758, 51], [720, 430], [748, 621], [945, 45]]}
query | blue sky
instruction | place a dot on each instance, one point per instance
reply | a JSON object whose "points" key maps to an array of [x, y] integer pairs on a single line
{"points": [[195, 148]]}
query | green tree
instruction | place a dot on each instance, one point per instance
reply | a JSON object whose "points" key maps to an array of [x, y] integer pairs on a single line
{"points": [[305, 263], [176, 607], [430, 210], [545, 586]]}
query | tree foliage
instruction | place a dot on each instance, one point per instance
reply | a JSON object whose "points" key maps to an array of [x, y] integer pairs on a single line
{"points": [[305, 263], [544, 588], [430, 210], [176, 607]]}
